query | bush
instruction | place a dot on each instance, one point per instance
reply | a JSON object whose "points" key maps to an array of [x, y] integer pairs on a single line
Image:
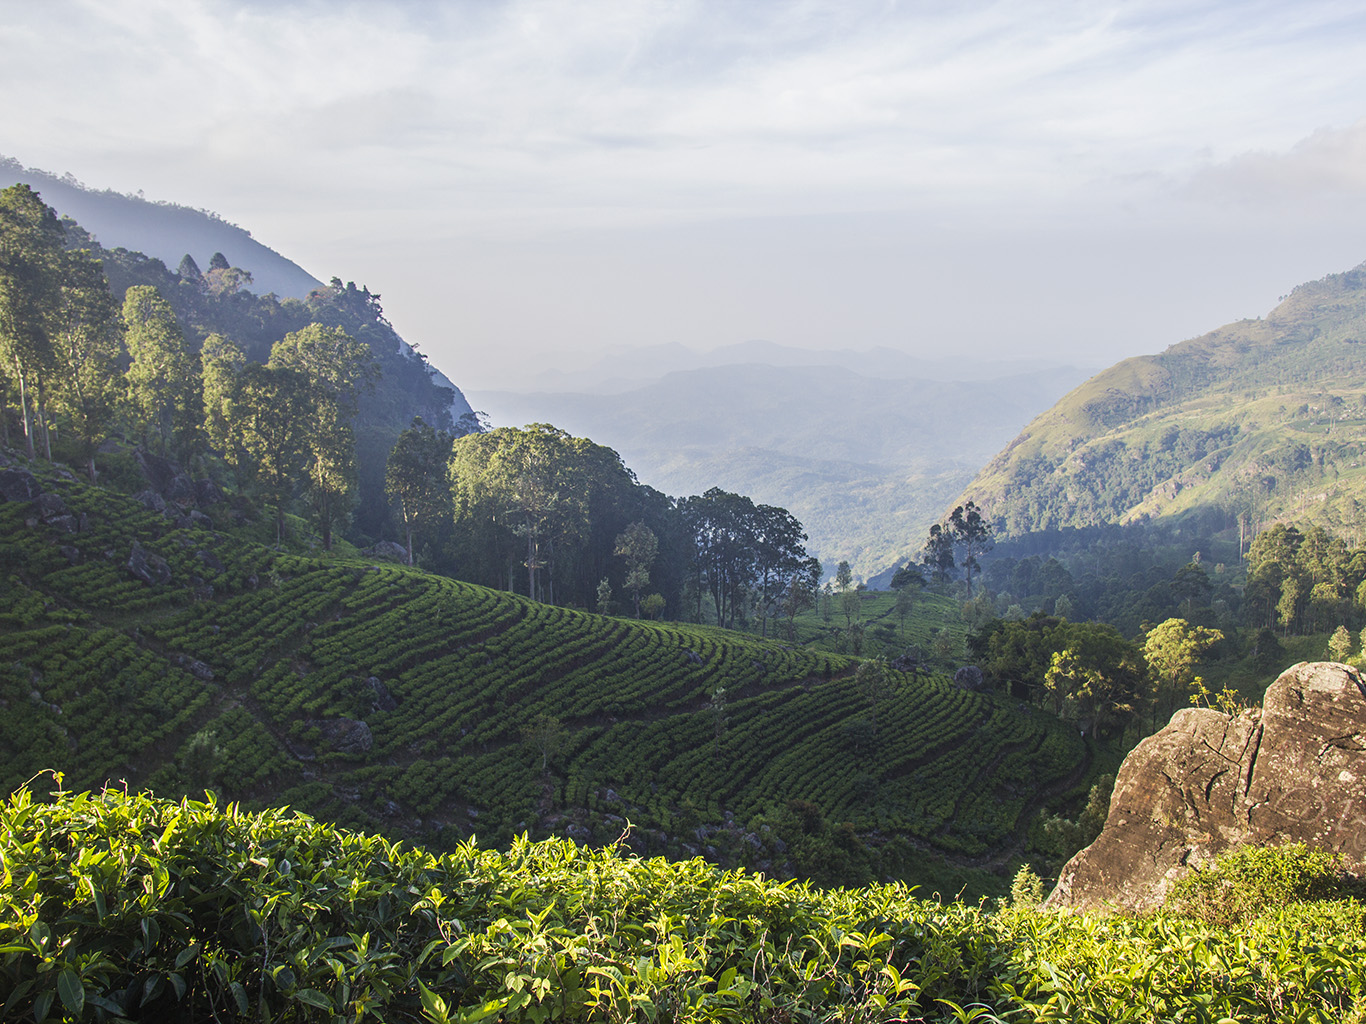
{"points": [[1247, 881]]}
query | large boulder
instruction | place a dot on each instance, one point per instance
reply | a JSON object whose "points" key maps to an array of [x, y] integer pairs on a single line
{"points": [[345, 735], [19, 485], [1292, 771], [148, 566]]}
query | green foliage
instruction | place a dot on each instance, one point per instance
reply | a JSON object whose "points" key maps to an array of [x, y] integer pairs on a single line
{"points": [[120, 906], [1244, 882]]}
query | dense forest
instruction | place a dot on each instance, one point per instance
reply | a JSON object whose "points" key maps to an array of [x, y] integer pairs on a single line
{"points": [[309, 404]]}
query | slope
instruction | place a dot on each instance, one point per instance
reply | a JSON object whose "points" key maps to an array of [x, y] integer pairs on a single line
{"points": [[137, 651], [164, 231], [1257, 420]]}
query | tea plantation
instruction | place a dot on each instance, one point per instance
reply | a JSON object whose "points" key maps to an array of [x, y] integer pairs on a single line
{"points": [[122, 907], [386, 698]]}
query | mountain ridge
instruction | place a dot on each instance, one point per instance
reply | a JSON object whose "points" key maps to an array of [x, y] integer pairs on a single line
{"points": [[1255, 420]]}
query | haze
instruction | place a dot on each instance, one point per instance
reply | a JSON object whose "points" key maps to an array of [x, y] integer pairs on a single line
{"points": [[524, 182]]}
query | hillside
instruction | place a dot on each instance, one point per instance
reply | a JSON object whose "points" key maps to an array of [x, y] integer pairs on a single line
{"points": [[164, 231], [183, 654], [1258, 420], [866, 462]]}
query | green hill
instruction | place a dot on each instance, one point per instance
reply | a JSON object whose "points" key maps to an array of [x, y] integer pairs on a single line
{"points": [[1258, 420], [391, 699]]}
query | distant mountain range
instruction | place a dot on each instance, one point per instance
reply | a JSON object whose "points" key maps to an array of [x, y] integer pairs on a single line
{"points": [[867, 460], [618, 370], [1257, 421]]}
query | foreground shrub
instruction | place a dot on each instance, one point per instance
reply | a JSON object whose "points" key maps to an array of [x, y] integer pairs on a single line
{"points": [[1245, 882]]}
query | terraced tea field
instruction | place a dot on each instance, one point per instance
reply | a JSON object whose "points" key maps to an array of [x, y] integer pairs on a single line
{"points": [[392, 699]]}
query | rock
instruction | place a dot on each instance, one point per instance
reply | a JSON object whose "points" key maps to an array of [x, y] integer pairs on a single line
{"points": [[969, 677], [210, 560], [19, 485], [71, 554], [195, 667], [50, 506], [380, 697], [194, 518], [63, 524], [579, 833], [388, 550], [165, 477], [150, 500], [346, 735], [206, 492], [1293, 771], [147, 566], [693, 658]]}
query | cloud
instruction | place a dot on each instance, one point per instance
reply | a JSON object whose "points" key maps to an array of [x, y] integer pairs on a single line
{"points": [[1321, 170]]}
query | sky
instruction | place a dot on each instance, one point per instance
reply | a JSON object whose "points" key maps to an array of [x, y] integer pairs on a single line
{"points": [[526, 181]]}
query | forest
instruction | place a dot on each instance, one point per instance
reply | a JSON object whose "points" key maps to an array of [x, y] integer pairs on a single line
{"points": [[185, 367]]}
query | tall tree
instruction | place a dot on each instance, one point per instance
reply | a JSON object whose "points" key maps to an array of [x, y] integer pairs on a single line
{"points": [[938, 553], [972, 533], [87, 347], [416, 476], [780, 558], [221, 363], [639, 546], [724, 547], [163, 379], [335, 368], [30, 293], [270, 409]]}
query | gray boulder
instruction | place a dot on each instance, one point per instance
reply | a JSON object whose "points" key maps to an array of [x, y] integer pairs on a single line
{"points": [[148, 566], [19, 485]]}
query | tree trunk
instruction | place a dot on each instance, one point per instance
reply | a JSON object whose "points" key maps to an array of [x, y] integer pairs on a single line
{"points": [[410, 545], [23, 405]]}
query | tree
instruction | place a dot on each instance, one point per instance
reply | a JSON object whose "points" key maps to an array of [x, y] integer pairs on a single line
{"points": [[334, 368], [30, 261], [416, 476], [86, 349], [973, 534], [220, 367], [1173, 650], [909, 575], [1340, 644], [1097, 673], [938, 554], [269, 429], [780, 558], [802, 588], [844, 582], [905, 603], [545, 735], [163, 380], [552, 502], [639, 546], [724, 548]]}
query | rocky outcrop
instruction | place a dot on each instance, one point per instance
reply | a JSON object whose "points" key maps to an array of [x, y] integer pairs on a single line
{"points": [[1292, 771]]}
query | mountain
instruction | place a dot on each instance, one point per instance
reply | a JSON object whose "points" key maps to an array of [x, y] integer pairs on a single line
{"points": [[616, 370], [177, 651], [865, 461], [163, 230], [1256, 421]]}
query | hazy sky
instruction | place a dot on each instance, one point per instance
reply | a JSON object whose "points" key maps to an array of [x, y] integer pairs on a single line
{"points": [[1084, 179]]}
